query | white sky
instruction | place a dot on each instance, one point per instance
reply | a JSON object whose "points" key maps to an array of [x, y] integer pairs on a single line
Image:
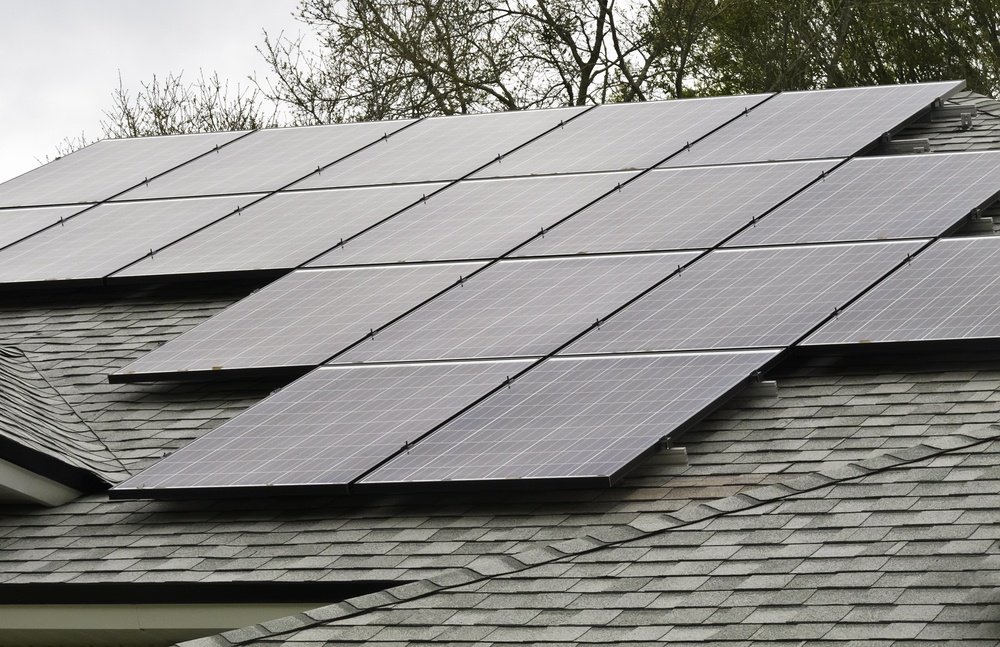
{"points": [[61, 59]]}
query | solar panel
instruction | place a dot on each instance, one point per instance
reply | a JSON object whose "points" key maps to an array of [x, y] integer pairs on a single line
{"points": [[440, 148], [517, 308], [299, 320], [748, 298], [822, 123], [949, 291], [883, 197], [581, 418], [267, 160], [677, 209], [474, 219], [15, 224], [328, 428], [106, 168], [626, 136], [282, 231], [108, 237]]}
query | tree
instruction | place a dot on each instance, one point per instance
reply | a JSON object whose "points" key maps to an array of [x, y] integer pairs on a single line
{"points": [[386, 59]]}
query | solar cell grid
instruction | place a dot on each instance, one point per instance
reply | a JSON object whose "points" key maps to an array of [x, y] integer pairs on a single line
{"points": [[949, 291], [677, 209], [573, 418], [440, 148], [267, 160], [763, 297], [282, 231], [106, 168], [619, 137], [108, 237], [300, 320], [883, 197], [815, 124], [15, 224], [474, 219], [517, 308], [327, 428]]}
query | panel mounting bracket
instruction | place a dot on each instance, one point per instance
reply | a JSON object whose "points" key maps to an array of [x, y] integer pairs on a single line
{"points": [[890, 145]]}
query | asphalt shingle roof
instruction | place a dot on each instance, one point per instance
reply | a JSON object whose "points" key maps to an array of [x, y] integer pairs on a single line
{"points": [[34, 415], [856, 504]]}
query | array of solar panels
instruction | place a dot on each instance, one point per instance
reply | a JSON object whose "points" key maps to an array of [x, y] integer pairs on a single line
{"points": [[499, 298]]}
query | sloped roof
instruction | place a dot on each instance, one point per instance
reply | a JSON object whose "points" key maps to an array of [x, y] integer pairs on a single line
{"points": [[840, 555], [856, 503]]}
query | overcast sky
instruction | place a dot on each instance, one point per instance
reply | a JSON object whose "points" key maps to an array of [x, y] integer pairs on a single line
{"points": [[61, 59]]}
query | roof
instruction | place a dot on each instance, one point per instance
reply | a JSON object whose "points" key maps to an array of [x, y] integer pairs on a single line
{"points": [[856, 502]]}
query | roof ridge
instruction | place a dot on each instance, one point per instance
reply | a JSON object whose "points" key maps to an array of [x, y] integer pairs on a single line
{"points": [[489, 567], [20, 372]]}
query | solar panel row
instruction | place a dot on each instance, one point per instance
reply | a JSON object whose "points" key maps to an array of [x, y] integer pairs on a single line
{"points": [[607, 137], [566, 418], [581, 416]]}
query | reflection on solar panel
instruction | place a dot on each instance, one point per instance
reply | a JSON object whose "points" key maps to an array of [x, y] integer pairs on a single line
{"points": [[518, 308], [582, 417], [108, 237], [823, 123], [441, 148], [328, 428], [621, 137], [106, 168], [300, 320], [746, 298], [15, 224], [282, 231], [883, 197], [267, 160], [677, 209], [474, 219], [949, 291]]}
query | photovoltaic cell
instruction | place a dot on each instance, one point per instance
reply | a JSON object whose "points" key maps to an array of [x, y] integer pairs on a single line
{"points": [[677, 209], [15, 224], [267, 160], [474, 219], [106, 168], [949, 291], [282, 231], [620, 137], [574, 418], [517, 308], [749, 298], [440, 148], [300, 320], [822, 123], [108, 237], [902, 196], [327, 428]]}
